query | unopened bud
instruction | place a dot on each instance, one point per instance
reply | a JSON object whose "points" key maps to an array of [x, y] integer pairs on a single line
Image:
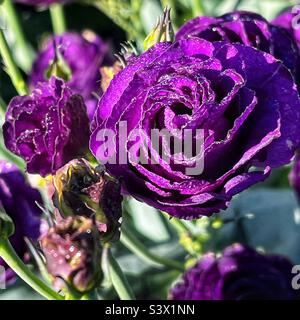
{"points": [[81, 189], [59, 67], [163, 31], [73, 254]]}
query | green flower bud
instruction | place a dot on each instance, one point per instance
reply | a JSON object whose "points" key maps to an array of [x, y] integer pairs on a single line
{"points": [[163, 31], [81, 189]]}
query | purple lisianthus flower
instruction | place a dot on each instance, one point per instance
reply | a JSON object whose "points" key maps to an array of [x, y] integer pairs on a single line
{"points": [[48, 128], [84, 54], [247, 28], [240, 273], [243, 100], [19, 200], [290, 20]]}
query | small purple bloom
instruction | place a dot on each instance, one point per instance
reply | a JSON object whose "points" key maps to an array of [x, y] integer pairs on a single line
{"points": [[84, 54], [240, 273], [19, 201], [244, 100], [247, 28], [48, 128]]}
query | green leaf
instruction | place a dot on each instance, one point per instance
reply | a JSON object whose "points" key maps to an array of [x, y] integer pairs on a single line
{"points": [[7, 227], [264, 218]]}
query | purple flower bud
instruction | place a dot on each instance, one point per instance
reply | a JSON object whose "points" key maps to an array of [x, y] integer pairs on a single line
{"points": [[240, 273], [73, 254], [19, 201], [83, 190], [83, 54], [48, 128]]}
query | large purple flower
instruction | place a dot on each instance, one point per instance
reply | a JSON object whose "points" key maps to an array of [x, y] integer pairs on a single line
{"points": [[48, 128], [244, 101], [19, 201], [247, 28], [290, 20], [240, 273], [84, 54]]}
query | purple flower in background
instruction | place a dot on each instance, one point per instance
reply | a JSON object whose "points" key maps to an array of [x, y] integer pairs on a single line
{"points": [[244, 101], [290, 20], [19, 201], [84, 55], [240, 273], [48, 128], [247, 28]]}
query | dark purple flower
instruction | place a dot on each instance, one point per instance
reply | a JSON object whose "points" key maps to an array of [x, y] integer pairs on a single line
{"points": [[73, 254], [19, 201], [48, 128], [244, 101], [84, 55], [247, 28], [290, 20], [240, 273]]}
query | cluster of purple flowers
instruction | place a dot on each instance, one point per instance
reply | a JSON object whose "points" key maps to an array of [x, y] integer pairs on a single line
{"points": [[235, 77]]}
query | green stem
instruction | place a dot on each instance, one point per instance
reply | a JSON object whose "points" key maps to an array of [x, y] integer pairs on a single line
{"points": [[9, 255], [118, 278], [27, 53], [2, 110], [198, 9], [11, 68], [131, 242], [58, 18], [182, 225], [237, 4]]}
